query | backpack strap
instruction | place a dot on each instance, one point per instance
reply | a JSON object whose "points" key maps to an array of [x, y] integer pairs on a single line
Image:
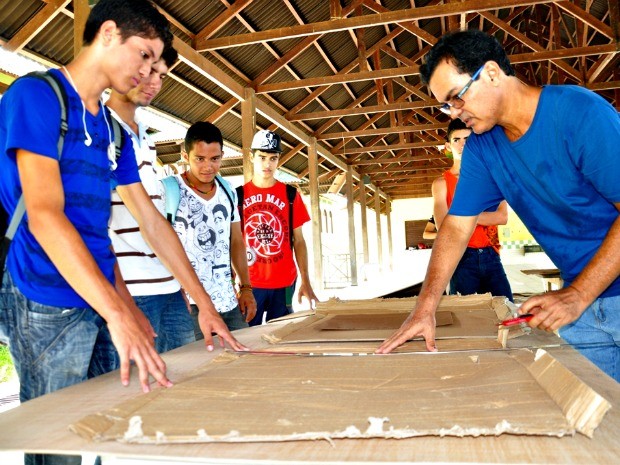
{"points": [[18, 214], [229, 191], [231, 194], [119, 135], [59, 90], [239, 191], [291, 193], [173, 197]]}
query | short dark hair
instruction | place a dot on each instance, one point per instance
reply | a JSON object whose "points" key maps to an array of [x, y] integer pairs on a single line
{"points": [[169, 55], [467, 50], [133, 18], [220, 208], [202, 131], [455, 125]]}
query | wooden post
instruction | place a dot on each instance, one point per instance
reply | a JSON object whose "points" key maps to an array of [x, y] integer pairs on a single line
{"points": [[388, 213], [379, 238], [361, 44], [335, 9], [315, 208], [362, 201], [248, 128], [351, 216], [81, 10]]}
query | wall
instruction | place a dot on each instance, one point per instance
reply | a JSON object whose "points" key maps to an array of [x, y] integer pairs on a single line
{"points": [[408, 210]]}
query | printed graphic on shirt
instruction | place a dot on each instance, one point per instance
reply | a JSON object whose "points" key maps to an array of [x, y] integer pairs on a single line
{"points": [[266, 229], [204, 230]]}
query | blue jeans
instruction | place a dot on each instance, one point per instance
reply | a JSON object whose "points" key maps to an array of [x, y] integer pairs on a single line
{"points": [[596, 335], [170, 319], [478, 272], [51, 348], [234, 319], [272, 303]]}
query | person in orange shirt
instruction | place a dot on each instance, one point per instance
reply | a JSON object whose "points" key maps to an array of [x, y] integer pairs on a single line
{"points": [[480, 270]]}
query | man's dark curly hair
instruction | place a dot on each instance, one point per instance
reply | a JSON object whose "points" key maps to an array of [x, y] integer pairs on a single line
{"points": [[468, 51]]}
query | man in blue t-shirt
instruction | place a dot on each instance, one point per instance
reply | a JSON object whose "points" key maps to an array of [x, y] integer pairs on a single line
{"points": [[59, 287], [552, 153]]}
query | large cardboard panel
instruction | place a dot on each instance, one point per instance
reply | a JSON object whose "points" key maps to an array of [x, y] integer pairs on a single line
{"points": [[458, 317], [250, 398]]}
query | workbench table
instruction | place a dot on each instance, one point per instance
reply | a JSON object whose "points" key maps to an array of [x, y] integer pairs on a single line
{"points": [[550, 276], [41, 425]]}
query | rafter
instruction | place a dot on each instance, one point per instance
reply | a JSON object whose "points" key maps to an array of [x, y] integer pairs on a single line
{"points": [[382, 148], [345, 70], [224, 18], [387, 161], [339, 79], [586, 18], [363, 110], [35, 25], [378, 131], [379, 19], [551, 55], [526, 41]]}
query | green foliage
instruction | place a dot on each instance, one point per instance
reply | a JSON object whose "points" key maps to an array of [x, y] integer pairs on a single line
{"points": [[7, 370]]}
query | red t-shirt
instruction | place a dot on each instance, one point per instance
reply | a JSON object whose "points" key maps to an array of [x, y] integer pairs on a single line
{"points": [[266, 233], [483, 236]]}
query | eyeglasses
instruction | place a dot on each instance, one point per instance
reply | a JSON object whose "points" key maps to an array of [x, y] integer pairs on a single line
{"points": [[457, 101]]}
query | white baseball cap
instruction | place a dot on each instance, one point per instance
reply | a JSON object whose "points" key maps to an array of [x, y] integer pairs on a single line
{"points": [[267, 141]]}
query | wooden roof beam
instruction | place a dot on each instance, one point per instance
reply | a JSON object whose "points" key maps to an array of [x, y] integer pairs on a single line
{"points": [[269, 48], [607, 85], [519, 58], [527, 42], [379, 19], [587, 18], [317, 45], [399, 169], [410, 27], [176, 22], [397, 194], [412, 184], [405, 177], [424, 178], [35, 25], [363, 110], [378, 131], [199, 63], [386, 161], [224, 18], [599, 67], [556, 54], [614, 19], [368, 123], [287, 156], [338, 79], [346, 69]]}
